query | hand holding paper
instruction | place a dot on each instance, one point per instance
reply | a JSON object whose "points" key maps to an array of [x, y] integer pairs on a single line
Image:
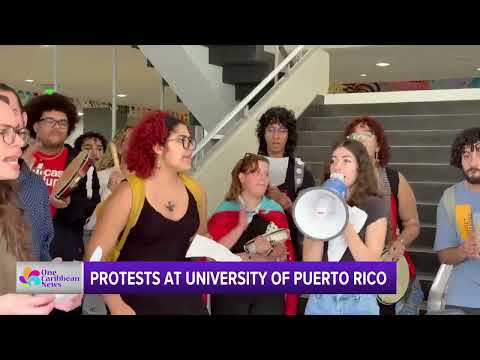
{"points": [[202, 246]]}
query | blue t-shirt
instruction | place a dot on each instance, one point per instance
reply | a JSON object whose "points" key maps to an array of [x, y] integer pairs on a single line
{"points": [[464, 282]]}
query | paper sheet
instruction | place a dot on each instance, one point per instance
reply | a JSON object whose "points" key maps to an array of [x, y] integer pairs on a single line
{"points": [[278, 170], [338, 245], [202, 246]]}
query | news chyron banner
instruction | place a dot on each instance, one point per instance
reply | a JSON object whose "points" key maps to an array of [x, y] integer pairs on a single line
{"points": [[199, 277]]}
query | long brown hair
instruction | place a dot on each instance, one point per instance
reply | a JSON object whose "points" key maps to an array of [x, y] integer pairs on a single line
{"points": [[366, 183], [247, 165], [13, 228]]}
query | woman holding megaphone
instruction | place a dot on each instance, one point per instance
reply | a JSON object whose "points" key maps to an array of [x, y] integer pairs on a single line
{"points": [[250, 225], [350, 160]]}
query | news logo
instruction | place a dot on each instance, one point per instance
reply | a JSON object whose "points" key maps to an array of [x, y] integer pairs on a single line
{"points": [[30, 277]]}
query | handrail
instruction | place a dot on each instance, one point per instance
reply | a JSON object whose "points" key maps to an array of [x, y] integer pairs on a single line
{"points": [[436, 296], [246, 100]]}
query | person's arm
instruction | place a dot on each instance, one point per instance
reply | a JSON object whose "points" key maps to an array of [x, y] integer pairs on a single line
{"points": [[44, 212], [371, 249], [312, 249], [407, 212], [107, 231]]}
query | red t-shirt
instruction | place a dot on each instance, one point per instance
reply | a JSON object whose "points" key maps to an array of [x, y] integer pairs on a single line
{"points": [[50, 168]]}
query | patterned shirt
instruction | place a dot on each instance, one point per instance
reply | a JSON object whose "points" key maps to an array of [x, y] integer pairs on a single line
{"points": [[33, 194]]}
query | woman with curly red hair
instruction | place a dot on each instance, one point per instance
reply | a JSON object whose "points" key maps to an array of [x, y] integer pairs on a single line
{"points": [[160, 150], [404, 225]]}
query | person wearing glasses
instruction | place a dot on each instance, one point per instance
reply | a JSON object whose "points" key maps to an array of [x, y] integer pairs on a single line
{"points": [[277, 137], [242, 218], [404, 224], [15, 240], [160, 150], [32, 191], [51, 118]]}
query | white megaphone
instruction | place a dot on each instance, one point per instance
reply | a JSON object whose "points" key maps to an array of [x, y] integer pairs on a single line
{"points": [[321, 213]]}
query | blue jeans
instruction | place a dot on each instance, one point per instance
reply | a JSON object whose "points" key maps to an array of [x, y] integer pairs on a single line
{"points": [[337, 304], [410, 305]]}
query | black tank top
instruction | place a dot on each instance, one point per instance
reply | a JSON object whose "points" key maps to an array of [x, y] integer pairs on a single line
{"points": [[156, 238]]}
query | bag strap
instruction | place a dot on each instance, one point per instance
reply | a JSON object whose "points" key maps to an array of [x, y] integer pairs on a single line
{"points": [[137, 185]]}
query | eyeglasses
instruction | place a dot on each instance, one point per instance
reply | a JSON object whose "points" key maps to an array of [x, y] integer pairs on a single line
{"points": [[272, 130], [187, 142], [9, 133], [62, 123], [359, 136]]}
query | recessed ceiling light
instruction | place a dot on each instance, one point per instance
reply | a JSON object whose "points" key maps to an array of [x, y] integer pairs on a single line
{"points": [[121, 95], [29, 80], [382, 64], [363, 75], [478, 69], [80, 113]]}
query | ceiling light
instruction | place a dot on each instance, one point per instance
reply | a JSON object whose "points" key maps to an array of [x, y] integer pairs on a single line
{"points": [[29, 81], [80, 114], [121, 95], [382, 64], [363, 75]]}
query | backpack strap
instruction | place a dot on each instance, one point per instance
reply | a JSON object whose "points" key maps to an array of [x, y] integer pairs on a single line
{"points": [[137, 185], [394, 180]]}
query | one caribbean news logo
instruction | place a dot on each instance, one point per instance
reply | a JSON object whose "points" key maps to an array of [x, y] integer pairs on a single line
{"points": [[30, 277], [49, 277]]}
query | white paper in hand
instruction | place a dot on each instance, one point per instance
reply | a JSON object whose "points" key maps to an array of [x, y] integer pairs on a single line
{"points": [[338, 245], [202, 246]]}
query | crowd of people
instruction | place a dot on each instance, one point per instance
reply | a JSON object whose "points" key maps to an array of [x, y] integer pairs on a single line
{"points": [[145, 207]]}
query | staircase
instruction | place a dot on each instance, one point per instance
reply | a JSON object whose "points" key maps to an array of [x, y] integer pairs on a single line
{"points": [[244, 67], [419, 134]]}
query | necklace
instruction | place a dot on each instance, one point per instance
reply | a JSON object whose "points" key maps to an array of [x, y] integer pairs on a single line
{"points": [[170, 206]]}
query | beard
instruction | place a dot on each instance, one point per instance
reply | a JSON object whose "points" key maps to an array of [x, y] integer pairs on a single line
{"points": [[472, 176]]}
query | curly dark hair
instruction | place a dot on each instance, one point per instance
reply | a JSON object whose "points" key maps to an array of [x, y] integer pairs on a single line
{"points": [[378, 131], [465, 138], [366, 183], [90, 135], [154, 129], [278, 115], [55, 102]]}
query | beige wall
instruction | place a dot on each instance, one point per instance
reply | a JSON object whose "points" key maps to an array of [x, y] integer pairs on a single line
{"points": [[296, 91]]}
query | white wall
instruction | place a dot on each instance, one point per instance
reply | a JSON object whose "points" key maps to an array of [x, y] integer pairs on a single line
{"points": [[75, 133], [403, 96], [296, 91], [199, 85]]}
